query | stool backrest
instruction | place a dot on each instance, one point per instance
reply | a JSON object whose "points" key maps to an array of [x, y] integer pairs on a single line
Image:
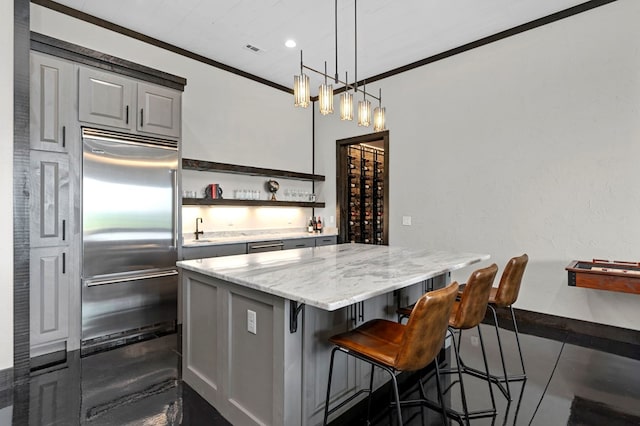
{"points": [[474, 299], [510, 281], [425, 331]]}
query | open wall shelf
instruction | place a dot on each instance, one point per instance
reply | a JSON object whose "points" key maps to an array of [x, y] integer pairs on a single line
{"points": [[247, 203], [209, 166]]}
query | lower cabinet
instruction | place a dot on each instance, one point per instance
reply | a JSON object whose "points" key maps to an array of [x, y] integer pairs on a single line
{"points": [[203, 251], [199, 252], [298, 243], [49, 304], [326, 241]]}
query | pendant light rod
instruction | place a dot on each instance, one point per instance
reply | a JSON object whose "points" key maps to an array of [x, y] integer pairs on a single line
{"points": [[301, 63], [336, 37], [355, 42]]}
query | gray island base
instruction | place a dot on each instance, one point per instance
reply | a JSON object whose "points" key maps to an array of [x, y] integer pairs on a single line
{"points": [[240, 350]]}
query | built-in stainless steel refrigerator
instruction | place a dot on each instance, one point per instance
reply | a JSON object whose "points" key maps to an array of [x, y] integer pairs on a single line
{"points": [[129, 237]]}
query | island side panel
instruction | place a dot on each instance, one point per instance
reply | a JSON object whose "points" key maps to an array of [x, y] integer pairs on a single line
{"points": [[318, 326], [203, 320], [255, 378]]}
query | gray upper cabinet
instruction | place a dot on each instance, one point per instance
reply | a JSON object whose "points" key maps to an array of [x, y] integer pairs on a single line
{"points": [[158, 110], [112, 100], [105, 98], [51, 102], [49, 201]]}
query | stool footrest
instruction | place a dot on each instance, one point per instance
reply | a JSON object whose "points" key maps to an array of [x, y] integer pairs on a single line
{"points": [[348, 400], [477, 373]]}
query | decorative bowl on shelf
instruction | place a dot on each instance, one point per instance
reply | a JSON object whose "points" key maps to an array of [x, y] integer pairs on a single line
{"points": [[272, 187]]}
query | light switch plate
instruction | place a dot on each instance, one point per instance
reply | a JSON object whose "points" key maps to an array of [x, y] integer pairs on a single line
{"points": [[406, 220], [252, 327]]}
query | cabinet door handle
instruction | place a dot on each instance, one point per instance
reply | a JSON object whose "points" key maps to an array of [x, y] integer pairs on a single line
{"points": [[64, 263], [127, 115], [64, 228], [64, 136], [141, 117]]}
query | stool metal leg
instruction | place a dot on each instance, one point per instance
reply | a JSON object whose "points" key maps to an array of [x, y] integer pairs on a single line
{"points": [[370, 393], [326, 403], [462, 393], [499, 380], [445, 420], [507, 391], [515, 328], [486, 367]]}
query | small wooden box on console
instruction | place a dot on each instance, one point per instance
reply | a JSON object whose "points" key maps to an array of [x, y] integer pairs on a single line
{"points": [[605, 275]]}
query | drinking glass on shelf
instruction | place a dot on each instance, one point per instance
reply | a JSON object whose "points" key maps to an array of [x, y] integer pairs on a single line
{"points": [[287, 195]]}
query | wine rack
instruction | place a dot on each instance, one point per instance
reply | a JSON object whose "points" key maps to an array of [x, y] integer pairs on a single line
{"points": [[365, 195]]}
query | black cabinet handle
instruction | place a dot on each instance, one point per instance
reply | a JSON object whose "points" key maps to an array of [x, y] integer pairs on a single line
{"points": [[64, 228], [127, 115], [64, 263], [141, 117], [64, 136]]}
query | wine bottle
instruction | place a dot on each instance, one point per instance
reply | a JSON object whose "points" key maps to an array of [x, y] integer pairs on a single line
{"points": [[310, 226], [319, 224]]}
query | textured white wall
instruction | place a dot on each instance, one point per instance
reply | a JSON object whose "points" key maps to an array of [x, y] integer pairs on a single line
{"points": [[6, 187], [529, 144]]}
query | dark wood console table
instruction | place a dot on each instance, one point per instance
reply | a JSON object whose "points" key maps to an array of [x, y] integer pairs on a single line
{"points": [[605, 275]]}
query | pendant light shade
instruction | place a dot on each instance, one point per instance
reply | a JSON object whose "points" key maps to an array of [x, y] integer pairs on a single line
{"points": [[301, 94], [346, 106], [378, 119], [364, 113], [325, 98], [325, 95]]}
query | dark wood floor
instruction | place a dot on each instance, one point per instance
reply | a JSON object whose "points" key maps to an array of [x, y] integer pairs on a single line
{"points": [[140, 385]]}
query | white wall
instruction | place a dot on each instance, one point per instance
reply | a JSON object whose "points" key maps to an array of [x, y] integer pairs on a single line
{"points": [[6, 187], [529, 144]]}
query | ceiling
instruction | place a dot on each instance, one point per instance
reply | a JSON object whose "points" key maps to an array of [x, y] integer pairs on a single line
{"points": [[390, 34]]}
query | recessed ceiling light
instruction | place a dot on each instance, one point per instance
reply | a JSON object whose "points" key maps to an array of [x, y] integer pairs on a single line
{"points": [[290, 43]]}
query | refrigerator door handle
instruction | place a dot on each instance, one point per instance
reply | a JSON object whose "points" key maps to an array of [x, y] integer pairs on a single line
{"points": [[176, 206], [95, 282]]}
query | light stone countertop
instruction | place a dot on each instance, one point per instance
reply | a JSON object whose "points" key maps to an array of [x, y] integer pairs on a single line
{"points": [[332, 277], [218, 238]]}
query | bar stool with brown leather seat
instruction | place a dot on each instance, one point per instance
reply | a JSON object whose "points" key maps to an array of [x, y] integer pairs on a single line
{"points": [[395, 347], [468, 312], [504, 296]]}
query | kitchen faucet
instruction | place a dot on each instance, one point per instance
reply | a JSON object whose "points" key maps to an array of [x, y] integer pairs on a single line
{"points": [[198, 233]]}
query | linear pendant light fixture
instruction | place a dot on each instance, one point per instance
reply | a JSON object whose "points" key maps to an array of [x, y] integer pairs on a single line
{"points": [[302, 95]]}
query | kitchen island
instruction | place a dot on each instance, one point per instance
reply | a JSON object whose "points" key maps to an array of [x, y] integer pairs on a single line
{"points": [[256, 326]]}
